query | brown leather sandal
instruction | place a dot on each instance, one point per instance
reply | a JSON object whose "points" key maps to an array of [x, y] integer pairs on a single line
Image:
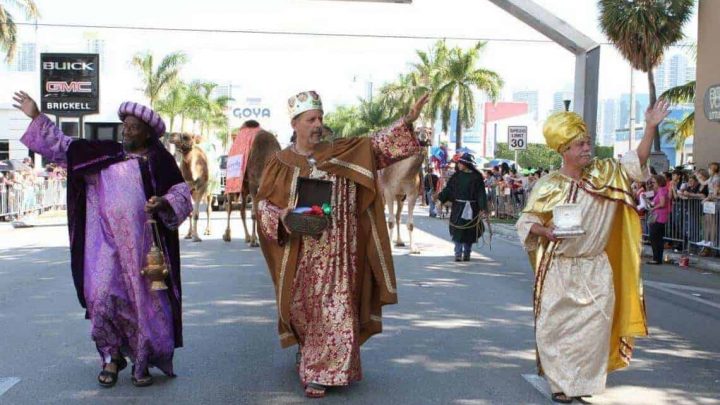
{"points": [[561, 398], [121, 363]]}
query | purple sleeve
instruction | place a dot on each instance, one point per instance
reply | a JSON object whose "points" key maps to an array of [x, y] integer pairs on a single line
{"points": [[394, 143], [181, 202], [45, 138]]}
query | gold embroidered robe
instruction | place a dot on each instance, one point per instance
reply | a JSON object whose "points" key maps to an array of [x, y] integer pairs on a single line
{"points": [[330, 290], [588, 294]]}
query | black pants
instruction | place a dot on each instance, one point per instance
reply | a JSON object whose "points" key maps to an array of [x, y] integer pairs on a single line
{"points": [[657, 231]]}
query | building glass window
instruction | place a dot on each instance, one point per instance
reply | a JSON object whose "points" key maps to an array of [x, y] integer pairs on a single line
{"points": [[4, 149]]}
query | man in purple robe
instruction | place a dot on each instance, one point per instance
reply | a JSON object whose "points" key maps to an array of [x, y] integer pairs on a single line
{"points": [[113, 189]]}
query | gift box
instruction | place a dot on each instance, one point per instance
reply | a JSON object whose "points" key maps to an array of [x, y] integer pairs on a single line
{"points": [[310, 192]]}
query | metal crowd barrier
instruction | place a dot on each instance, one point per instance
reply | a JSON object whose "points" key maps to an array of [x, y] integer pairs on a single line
{"points": [[17, 201], [691, 223], [503, 205]]}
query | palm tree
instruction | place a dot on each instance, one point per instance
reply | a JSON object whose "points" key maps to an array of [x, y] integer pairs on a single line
{"points": [[360, 120], [642, 29], [202, 108], [682, 129], [373, 116], [174, 104], [429, 72], [342, 121], [156, 81], [399, 95], [459, 77], [8, 29]]}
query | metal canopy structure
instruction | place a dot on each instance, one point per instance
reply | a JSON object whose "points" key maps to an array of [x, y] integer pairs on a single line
{"points": [[587, 53]]}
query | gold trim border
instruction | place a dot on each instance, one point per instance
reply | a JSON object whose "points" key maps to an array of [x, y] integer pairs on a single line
{"points": [[378, 246], [365, 172], [286, 252]]}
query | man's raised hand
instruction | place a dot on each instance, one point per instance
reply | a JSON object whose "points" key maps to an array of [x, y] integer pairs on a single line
{"points": [[655, 114], [26, 104]]}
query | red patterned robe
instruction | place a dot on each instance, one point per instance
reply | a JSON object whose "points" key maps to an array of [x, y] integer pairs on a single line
{"points": [[330, 289]]}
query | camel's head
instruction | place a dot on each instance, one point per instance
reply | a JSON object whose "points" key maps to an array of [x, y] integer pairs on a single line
{"points": [[183, 141], [424, 135]]}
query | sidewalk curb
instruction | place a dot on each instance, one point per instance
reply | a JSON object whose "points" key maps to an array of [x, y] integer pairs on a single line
{"points": [[701, 263]]}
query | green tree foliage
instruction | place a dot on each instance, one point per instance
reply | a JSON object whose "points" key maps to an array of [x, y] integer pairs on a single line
{"points": [[451, 75], [536, 156], [459, 77], [642, 29], [604, 152], [540, 155], [680, 130], [157, 80], [368, 117], [8, 28]]}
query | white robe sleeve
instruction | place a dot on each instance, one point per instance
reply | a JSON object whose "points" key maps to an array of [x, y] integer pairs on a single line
{"points": [[630, 162], [529, 241]]}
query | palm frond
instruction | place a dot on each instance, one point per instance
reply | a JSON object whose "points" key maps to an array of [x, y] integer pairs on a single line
{"points": [[26, 6], [8, 35], [680, 94], [679, 131]]}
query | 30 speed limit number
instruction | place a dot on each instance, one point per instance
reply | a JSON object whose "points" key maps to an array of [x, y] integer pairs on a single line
{"points": [[517, 138]]}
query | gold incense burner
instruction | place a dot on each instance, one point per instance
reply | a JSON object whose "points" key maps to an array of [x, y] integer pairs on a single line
{"points": [[155, 269]]}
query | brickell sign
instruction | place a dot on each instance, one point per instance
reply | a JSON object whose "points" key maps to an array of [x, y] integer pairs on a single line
{"points": [[69, 84], [712, 103]]}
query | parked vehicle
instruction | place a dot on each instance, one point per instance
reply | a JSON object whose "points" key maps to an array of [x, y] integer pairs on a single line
{"points": [[219, 199]]}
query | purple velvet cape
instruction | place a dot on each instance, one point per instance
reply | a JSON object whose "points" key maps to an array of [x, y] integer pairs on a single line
{"points": [[159, 173]]}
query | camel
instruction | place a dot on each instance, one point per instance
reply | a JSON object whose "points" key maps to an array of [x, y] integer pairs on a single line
{"points": [[263, 147], [401, 182], [195, 171]]}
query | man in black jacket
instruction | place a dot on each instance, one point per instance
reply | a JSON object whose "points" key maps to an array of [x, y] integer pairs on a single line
{"points": [[430, 182]]}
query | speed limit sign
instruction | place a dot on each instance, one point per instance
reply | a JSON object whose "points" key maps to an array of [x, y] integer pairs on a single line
{"points": [[517, 137]]}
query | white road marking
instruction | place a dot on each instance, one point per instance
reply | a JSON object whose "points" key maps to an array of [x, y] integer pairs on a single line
{"points": [[7, 383], [685, 287], [539, 384], [672, 290]]}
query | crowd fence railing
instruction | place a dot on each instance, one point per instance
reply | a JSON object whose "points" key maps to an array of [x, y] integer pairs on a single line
{"points": [[18, 200]]}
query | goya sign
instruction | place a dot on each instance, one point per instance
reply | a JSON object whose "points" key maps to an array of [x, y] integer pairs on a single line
{"points": [[712, 103], [69, 83]]}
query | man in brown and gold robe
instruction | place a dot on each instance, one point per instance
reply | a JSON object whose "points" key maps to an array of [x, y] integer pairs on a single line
{"points": [[330, 289], [588, 293]]}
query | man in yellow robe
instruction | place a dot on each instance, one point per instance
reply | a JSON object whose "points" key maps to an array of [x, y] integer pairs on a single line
{"points": [[330, 289], [588, 294]]}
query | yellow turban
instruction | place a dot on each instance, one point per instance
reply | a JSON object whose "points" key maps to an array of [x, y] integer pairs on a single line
{"points": [[562, 128]]}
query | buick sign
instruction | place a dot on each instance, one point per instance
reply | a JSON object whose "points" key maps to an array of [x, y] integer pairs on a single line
{"points": [[69, 84]]}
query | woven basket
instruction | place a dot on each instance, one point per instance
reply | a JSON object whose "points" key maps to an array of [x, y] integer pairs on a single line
{"points": [[306, 224]]}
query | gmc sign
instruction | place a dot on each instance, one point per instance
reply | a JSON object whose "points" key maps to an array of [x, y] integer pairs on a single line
{"points": [[70, 84]]}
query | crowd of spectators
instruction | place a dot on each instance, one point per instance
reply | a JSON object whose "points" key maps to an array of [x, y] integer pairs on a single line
{"points": [[23, 189], [507, 188], [680, 210]]}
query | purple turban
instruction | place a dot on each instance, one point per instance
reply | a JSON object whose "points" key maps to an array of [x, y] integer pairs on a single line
{"points": [[146, 114]]}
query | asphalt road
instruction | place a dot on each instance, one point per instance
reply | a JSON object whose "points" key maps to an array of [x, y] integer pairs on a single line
{"points": [[462, 333]]}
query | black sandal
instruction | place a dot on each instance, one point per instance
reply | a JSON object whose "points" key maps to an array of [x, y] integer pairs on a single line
{"points": [[560, 397], [121, 363], [143, 382]]}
